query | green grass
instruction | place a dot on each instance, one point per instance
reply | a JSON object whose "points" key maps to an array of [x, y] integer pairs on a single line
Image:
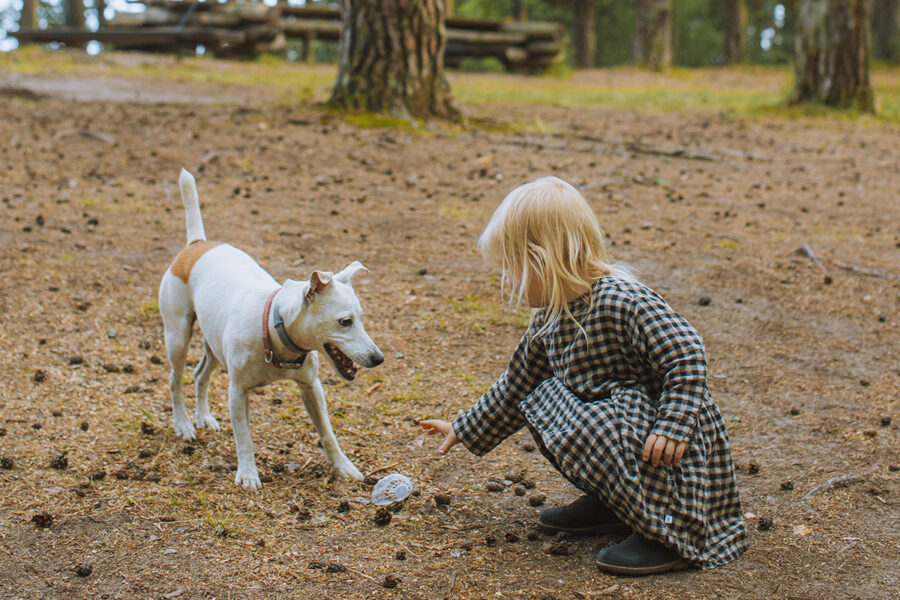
{"points": [[750, 91]]}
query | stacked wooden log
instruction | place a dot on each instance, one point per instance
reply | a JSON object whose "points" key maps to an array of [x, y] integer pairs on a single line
{"points": [[246, 29]]}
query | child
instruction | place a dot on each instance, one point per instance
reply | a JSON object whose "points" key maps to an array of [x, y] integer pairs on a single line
{"points": [[611, 383]]}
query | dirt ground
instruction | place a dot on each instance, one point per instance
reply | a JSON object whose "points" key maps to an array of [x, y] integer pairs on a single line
{"points": [[806, 372]]}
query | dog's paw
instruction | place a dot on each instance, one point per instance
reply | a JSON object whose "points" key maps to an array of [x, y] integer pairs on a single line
{"points": [[208, 421], [184, 429], [248, 478], [345, 470]]}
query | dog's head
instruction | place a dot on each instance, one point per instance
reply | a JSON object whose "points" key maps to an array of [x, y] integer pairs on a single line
{"points": [[326, 309]]}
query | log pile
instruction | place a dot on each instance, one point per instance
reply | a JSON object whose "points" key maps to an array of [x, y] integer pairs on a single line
{"points": [[251, 28]]}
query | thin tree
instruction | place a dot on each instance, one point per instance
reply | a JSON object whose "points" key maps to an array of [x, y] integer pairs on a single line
{"points": [[832, 54], [735, 24], [886, 30], [583, 39], [653, 33], [391, 58]]}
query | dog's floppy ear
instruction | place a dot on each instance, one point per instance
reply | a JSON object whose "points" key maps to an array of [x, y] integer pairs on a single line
{"points": [[346, 276], [317, 282]]}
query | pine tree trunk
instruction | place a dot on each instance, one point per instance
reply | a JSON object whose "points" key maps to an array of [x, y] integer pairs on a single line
{"points": [[886, 30], [832, 54], [517, 10], [583, 40], [653, 33], [27, 18], [735, 26], [391, 58], [75, 17]]}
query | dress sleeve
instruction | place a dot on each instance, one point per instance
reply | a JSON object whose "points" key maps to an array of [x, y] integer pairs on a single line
{"points": [[675, 352], [496, 415]]}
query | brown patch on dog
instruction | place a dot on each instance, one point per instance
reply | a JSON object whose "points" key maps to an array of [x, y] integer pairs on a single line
{"points": [[184, 261]]}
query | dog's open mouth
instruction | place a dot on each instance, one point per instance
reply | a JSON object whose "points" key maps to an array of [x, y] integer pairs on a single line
{"points": [[342, 362]]}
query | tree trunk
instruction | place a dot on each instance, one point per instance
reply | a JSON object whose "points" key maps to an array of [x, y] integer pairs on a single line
{"points": [[832, 54], [653, 33], [391, 58], [885, 29], [583, 40], [517, 10], [74, 13], [101, 9], [735, 26], [27, 20]]}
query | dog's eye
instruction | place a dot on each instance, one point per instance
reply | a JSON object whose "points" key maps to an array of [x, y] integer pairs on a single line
{"points": [[346, 321]]}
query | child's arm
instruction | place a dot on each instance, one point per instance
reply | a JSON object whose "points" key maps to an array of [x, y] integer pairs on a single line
{"points": [[675, 351]]}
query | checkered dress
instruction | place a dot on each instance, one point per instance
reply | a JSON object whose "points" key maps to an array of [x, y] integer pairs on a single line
{"points": [[591, 402]]}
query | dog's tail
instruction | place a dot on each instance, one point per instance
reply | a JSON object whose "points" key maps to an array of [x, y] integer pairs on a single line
{"points": [[191, 207]]}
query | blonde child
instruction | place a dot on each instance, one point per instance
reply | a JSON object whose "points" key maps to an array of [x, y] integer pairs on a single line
{"points": [[611, 383]]}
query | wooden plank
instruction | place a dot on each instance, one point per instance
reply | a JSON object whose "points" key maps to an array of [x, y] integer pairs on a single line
{"points": [[486, 37], [143, 36], [323, 30]]}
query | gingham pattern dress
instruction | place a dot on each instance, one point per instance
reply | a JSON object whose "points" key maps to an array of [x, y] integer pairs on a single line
{"points": [[591, 402]]}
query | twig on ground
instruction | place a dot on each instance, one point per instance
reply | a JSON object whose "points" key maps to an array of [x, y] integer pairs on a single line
{"points": [[384, 468], [839, 481], [864, 270], [805, 250], [677, 152]]}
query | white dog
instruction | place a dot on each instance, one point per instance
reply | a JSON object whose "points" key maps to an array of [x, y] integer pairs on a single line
{"points": [[261, 332]]}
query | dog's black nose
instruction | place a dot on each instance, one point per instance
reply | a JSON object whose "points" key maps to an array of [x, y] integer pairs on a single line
{"points": [[376, 359]]}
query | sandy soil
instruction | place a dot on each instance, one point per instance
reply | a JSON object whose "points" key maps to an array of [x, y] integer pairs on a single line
{"points": [[806, 372]]}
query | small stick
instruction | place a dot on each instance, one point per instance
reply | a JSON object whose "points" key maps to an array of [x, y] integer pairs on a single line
{"points": [[805, 250], [837, 481], [384, 468], [864, 270], [372, 388]]}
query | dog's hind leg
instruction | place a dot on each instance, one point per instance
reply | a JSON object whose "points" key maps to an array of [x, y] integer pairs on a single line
{"points": [[202, 374], [314, 399], [178, 321], [246, 475]]}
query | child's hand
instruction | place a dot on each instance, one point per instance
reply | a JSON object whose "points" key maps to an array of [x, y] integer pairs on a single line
{"points": [[658, 447], [445, 428]]}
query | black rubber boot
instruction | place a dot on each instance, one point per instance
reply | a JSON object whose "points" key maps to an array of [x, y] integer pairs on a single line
{"points": [[585, 516], [639, 556]]}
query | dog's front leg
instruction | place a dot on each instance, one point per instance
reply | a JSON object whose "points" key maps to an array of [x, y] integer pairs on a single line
{"points": [[314, 399], [247, 474]]}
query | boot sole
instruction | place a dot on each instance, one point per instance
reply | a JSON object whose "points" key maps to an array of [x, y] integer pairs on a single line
{"points": [[595, 530], [676, 565]]}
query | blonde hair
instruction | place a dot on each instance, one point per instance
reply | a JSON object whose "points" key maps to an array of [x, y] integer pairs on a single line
{"points": [[547, 228]]}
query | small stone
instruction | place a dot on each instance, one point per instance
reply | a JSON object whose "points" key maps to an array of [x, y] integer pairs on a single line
{"points": [[787, 485], [76, 360], [533, 534], [156, 360], [870, 433], [704, 301], [520, 490], [39, 376], [515, 476], [864, 383], [558, 548], [528, 484], [885, 421], [529, 447], [494, 486], [490, 541], [391, 581], [7, 463], [343, 507], [111, 333], [401, 555], [147, 428], [84, 426], [893, 468], [753, 467], [422, 271], [96, 475], [795, 411], [442, 499], [36, 426], [111, 368], [83, 569], [60, 461], [42, 519], [188, 449], [537, 499], [133, 389], [145, 453], [764, 523], [382, 517], [511, 538], [56, 412]]}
